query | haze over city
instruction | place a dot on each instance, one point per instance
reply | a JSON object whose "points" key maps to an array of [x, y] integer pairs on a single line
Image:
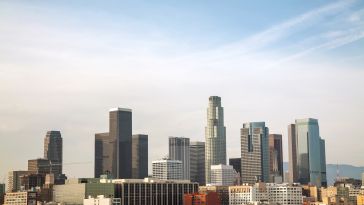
{"points": [[64, 64]]}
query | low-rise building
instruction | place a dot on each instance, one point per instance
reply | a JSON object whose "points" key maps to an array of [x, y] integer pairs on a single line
{"points": [[222, 192], [21, 198], [101, 200], [210, 198], [285, 194]]}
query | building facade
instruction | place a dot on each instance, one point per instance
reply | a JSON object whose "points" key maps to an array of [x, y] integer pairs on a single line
{"points": [[179, 149], [223, 175], [14, 183], [222, 192], [307, 160], [254, 152], [276, 157], [210, 198], [167, 169], [215, 136], [21, 198], [101, 200], [197, 162], [236, 163], [40, 166], [53, 146], [285, 194], [113, 150], [140, 156]]}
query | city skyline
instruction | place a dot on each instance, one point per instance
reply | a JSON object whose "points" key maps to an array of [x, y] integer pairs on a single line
{"points": [[63, 65]]}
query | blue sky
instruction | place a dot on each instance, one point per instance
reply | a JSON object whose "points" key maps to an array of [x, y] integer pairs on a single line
{"points": [[63, 64]]}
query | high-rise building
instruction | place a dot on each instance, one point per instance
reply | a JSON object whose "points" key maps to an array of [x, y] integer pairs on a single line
{"points": [[14, 183], [236, 163], [307, 153], [223, 175], [179, 149], [215, 136], [53, 151], [40, 166], [113, 150], [2, 193], [167, 169], [276, 156], [197, 162], [254, 152], [140, 156]]}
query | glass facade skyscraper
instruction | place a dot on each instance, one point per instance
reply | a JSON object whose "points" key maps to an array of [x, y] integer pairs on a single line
{"points": [[215, 136], [179, 149], [254, 152], [307, 153]]}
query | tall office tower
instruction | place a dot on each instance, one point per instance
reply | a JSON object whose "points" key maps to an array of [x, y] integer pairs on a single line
{"points": [[197, 162], [113, 153], [53, 151], [307, 160], [40, 166], [167, 169], [236, 163], [276, 156], [254, 152], [179, 149], [215, 136], [140, 156]]}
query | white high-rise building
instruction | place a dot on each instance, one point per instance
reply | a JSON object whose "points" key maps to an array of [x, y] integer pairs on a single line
{"points": [[167, 169], [223, 175], [179, 149], [215, 136]]}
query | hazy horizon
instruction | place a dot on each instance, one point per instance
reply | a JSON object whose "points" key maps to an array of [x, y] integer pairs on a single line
{"points": [[64, 64]]}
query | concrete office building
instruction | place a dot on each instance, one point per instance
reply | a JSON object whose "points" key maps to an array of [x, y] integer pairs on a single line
{"points": [[215, 136], [307, 160], [14, 183], [197, 162], [113, 150], [21, 198], [223, 175], [179, 149], [276, 158], [254, 152], [53, 146], [167, 169], [140, 156], [285, 194]]}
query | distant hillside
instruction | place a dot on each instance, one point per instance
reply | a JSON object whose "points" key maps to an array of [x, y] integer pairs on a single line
{"points": [[344, 171]]}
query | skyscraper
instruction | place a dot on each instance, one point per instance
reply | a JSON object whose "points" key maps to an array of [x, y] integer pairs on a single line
{"points": [[140, 156], [53, 146], [179, 149], [215, 136], [113, 153], [307, 160], [197, 162], [254, 152], [276, 155]]}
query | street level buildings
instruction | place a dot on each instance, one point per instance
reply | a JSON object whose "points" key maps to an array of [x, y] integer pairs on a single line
{"points": [[197, 162], [21, 198], [215, 136], [210, 198], [113, 150], [167, 169], [254, 152], [140, 156], [179, 149], [307, 160]]}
